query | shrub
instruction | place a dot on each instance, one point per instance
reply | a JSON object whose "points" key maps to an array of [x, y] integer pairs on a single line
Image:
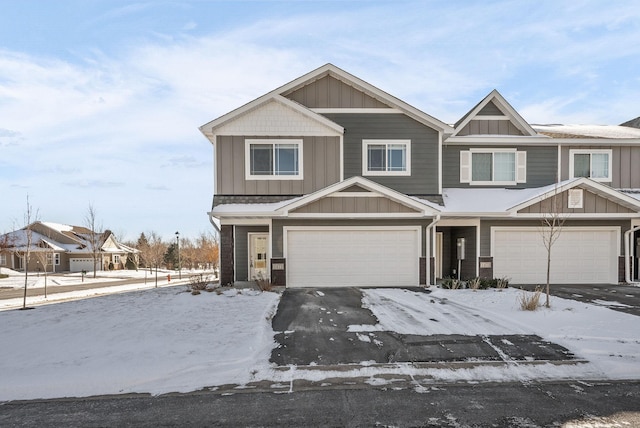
{"points": [[198, 283], [502, 282], [3, 276], [474, 283], [451, 284], [264, 284], [486, 283], [530, 301]]}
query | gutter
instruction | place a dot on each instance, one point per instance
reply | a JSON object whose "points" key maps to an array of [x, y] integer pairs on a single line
{"points": [[430, 227], [627, 255]]}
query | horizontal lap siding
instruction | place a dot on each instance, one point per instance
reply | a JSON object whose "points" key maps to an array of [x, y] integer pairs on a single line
{"points": [[424, 149], [541, 165], [321, 167], [625, 164]]}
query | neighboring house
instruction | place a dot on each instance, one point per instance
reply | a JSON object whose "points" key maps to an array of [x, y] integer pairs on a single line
{"points": [[66, 249], [329, 181]]}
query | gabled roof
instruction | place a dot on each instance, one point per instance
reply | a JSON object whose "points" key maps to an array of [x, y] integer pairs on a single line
{"points": [[472, 202], [332, 70], [501, 103], [209, 128], [585, 183], [423, 207]]}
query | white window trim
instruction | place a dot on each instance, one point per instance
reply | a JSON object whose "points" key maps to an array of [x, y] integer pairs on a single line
{"points": [[366, 143], [609, 152], [466, 167], [247, 159], [3, 259]]}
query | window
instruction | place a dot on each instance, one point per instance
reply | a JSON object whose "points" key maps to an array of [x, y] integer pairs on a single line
{"points": [[273, 159], [56, 259], [386, 157], [594, 164], [493, 166], [3, 259], [116, 258]]}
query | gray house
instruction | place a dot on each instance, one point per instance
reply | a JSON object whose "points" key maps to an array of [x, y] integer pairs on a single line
{"points": [[330, 181]]}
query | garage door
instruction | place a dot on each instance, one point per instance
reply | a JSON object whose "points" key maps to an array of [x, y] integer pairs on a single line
{"points": [[78, 265], [328, 257], [579, 256]]}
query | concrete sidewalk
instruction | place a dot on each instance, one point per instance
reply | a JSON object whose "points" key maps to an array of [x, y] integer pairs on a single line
{"points": [[312, 329]]}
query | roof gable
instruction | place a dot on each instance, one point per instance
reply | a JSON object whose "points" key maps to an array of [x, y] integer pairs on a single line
{"points": [[493, 116], [596, 198], [360, 197], [330, 92], [355, 85]]}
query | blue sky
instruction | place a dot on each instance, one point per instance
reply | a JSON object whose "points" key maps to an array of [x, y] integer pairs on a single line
{"points": [[101, 100]]}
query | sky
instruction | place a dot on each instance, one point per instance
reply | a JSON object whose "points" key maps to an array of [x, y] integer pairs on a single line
{"points": [[101, 100]]}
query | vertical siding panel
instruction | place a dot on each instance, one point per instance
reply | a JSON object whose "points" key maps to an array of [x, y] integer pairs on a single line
{"points": [[590, 203], [493, 126], [484, 126], [237, 152], [634, 164], [503, 127], [624, 168], [349, 205], [322, 91], [357, 99], [615, 165]]}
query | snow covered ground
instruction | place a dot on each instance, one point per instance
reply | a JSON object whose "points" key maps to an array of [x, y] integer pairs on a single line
{"points": [[164, 340]]}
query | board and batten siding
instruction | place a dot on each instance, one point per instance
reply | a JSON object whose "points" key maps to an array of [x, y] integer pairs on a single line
{"points": [[241, 241], [321, 167], [625, 164], [354, 205], [591, 203], [424, 149], [329, 92], [541, 165]]}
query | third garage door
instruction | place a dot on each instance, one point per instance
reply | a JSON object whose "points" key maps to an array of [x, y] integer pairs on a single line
{"points": [[334, 257], [579, 256]]}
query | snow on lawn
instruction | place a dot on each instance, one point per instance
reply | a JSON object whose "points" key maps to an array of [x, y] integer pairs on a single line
{"points": [[608, 339], [165, 340], [156, 341]]}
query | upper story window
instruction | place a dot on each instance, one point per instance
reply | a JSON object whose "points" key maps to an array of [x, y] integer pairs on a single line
{"points": [[273, 159], [594, 164], [386, 157], [493, 166]]}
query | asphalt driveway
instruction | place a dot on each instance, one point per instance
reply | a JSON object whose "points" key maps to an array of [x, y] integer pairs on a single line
{"points": [[312, 329]]}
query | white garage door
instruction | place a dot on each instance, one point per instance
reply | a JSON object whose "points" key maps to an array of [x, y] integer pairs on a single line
{"points": [[78, 265], [329, 257], [579, 256]]}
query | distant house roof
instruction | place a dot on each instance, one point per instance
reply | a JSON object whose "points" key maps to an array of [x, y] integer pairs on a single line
{"points": [[588, 131]]}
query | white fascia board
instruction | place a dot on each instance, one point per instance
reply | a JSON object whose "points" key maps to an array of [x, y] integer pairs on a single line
{"points": [[597, 188], [501, 140], [367, 88], [367, 184], [208, 129], [512, 114]]}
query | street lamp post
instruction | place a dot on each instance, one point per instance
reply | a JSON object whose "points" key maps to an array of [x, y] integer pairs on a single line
{"points": [[179, 267]]}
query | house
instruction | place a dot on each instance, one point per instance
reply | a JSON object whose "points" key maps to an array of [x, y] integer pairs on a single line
{"points": [[330, 181], [64, 248]]}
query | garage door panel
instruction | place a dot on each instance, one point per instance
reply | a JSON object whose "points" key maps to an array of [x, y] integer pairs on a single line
{"points": [[330, 257], [578, 256]]}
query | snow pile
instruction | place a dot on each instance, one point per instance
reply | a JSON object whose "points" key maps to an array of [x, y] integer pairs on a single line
{"points": [[156, 341]]}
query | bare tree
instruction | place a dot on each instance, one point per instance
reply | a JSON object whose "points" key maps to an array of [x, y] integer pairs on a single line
{"points": [[152, 251], [29, 218], [552, 223], [95, 237], [209, 250], [44, 255]]}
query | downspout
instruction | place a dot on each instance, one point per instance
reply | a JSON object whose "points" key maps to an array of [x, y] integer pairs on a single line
{"points": [[627, 254], [429, 248]]}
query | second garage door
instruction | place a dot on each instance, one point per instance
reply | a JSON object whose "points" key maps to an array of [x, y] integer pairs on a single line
{"points": [[334, 257], [579, 256]]}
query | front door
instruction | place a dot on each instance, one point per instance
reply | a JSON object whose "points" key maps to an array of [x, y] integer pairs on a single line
{"points": [[258, 255]]}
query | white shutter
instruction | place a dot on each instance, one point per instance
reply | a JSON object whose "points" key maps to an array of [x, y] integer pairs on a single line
{"points": [[521, 167], [465, 166]]}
